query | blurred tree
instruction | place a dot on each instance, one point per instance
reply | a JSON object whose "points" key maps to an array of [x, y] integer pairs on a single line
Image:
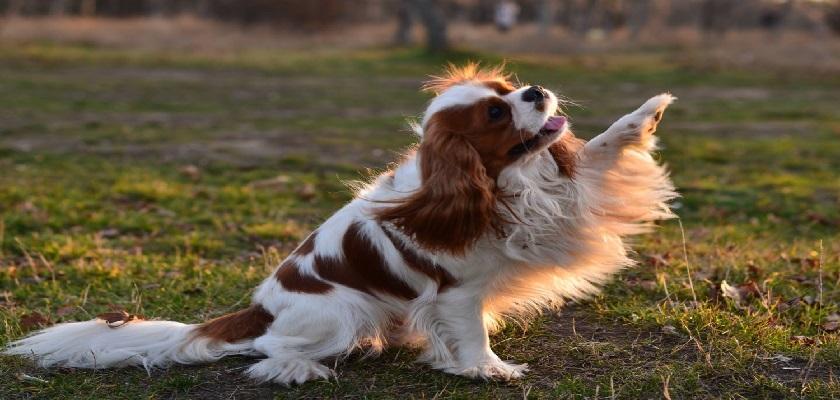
{"points": [[434, 22], [832, 18], [87, 8], [772, 17], [638, 17], [546, 15], [404, 24], [714, 16], [58, 7]]}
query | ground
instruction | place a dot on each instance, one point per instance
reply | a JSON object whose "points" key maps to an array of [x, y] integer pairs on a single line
{"points": [[170, 183]]}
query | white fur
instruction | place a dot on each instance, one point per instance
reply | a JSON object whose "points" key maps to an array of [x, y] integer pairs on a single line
{"points": [[92, 344], [460, 95], [570, 240], [525, 116]]}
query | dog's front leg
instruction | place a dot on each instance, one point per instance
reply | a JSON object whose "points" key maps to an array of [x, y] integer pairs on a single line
{"points": [[461, 328], [632, 130]]}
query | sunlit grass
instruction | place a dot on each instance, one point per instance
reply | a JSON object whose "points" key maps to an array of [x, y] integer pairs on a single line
{"points": [[170, 184]]}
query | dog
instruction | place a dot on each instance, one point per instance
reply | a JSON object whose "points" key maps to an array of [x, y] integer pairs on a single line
{"points": [[500, 211]]}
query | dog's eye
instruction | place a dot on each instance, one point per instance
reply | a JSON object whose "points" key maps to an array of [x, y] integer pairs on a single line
{"points": [[495, 112]]}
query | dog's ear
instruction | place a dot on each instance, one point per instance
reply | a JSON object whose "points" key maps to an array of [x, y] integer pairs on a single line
{"points": [[456, 202]]}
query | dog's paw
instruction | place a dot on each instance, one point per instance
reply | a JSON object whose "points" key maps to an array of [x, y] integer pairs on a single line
{"points": [[635, 128], [496, 370], [639, 125], [288, 371], [651, 112]]}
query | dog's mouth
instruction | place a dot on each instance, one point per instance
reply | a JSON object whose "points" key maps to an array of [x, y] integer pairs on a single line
{"points": [[550, 131]]}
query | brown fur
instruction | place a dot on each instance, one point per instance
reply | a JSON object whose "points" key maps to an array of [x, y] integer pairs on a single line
{"points": [[116, 319], [307, 246], [456, 203], [421, 264], [243, 324], [565, 154], [461, 156], [291, 279], [494, 77], [362, 268]]}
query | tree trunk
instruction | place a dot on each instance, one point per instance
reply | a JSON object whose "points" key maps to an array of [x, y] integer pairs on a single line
{"points": [[434, 22], [58, 7], [546, 17], [638, 18], [404, 23], [88, 8], [15, 7]]}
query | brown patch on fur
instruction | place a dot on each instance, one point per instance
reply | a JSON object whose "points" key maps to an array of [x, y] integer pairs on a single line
{"points": [[565, 154], [456, 203], [462, 153], [493, 77], [307, 246], [243, 324], [291, 279], [117, 319], [362, 268], [421, 264], [500, 87]]}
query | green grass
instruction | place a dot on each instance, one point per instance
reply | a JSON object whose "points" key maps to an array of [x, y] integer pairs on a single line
{"points": [[170, 184]]}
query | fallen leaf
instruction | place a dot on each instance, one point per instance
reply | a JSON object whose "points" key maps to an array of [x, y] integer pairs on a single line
{"points": [[6, 298], [165, 212], [670, 330], [29, 378], [657, 260], [33, 320], [805, 340], [739, 294], [752, 269], [307, 191], [831, 326], [276, 183], [190, 171], [703, 275], [109, 233], [780, 358], [822, 219], [792, 303], [832, 323]]}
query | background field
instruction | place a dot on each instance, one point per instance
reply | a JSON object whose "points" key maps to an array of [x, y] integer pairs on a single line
{"points": [[169, 183]]}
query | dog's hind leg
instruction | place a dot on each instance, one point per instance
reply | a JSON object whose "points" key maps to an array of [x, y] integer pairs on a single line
{"points": [[287, 363], [309, 328]]}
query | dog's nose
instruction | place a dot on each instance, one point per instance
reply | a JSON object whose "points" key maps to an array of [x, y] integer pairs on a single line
{"points": [[533, 93]]}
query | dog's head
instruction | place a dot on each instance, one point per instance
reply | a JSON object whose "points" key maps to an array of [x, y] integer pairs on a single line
{"points": [[478, 125]]}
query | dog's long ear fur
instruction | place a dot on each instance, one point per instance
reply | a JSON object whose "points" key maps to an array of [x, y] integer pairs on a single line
{"points": [[456, 202]]}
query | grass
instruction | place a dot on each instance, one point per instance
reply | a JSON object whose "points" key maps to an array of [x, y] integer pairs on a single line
{"points": [[170, 184]]}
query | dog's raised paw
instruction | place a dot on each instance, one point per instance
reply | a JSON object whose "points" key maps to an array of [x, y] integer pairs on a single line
{"points": [[647, 117], [638, 126]]}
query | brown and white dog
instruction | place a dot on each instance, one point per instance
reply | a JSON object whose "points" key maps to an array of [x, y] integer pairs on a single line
{"points": [[499, 212]]}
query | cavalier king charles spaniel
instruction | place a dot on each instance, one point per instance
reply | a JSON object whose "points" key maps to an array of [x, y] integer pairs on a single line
{"points": [[499, 212]]}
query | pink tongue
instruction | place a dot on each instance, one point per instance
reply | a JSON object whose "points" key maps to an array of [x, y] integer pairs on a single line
{"points": [[554, 123]]}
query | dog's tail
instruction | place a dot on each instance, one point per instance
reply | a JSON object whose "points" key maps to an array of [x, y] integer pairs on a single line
{"points": [[120, 339]]}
